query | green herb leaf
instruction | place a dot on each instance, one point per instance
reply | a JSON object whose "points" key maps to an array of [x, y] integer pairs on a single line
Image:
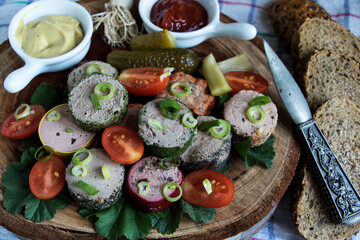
{"points": [[156, 124], [29, 142], [39, 210], [18, 195], [263, 154], [198, 213], [45, 95], [227, 167], [168, 220], [121, 219]]}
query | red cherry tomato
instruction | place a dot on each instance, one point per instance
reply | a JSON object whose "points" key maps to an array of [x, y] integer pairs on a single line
{"points": [[23, 127], [240, 80], [144, 81], [194, 191], [47, 179], [123, 144]]}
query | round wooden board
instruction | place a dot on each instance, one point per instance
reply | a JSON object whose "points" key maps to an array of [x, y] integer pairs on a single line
{"points": [[257, 190]]}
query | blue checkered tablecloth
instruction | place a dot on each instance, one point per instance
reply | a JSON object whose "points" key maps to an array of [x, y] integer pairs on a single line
{"points": [[346, 12]]}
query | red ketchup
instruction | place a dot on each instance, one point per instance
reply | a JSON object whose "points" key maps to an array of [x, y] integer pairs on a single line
{"points": [[179, 15]]}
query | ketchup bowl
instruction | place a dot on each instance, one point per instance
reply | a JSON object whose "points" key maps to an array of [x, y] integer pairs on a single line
{"points": [[21, 77], [214, 28]]}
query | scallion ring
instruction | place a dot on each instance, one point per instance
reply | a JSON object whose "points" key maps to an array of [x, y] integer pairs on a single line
{"points": [[174, 162], [255, 114], [207, 185], [94, 68], [183, 92], [54, 115], [143, 188], [261, 100], [95, 101], [156, 124], [24, 113], [221, 131], [86, 187], [188, 120], [86, 160], [101, 88], [205, 126], [40, 152], [79, 170], [169, 108], [172, 185], [69, 130], [105, 172]]}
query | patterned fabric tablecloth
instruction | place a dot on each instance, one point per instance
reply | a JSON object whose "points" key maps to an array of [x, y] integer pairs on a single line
{"points": [[346, 12]]}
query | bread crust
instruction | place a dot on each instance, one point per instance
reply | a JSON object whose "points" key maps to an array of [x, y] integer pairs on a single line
{"points": [[336, 117], [286, 16]]}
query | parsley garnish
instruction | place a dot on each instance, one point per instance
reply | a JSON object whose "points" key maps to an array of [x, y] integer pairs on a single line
{"points": [[18, 195], [198, 213], [168, 220], [263, 154], [46, 96]]}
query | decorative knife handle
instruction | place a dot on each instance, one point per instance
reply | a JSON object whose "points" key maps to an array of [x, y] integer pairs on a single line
{"points": [[344, 201]]}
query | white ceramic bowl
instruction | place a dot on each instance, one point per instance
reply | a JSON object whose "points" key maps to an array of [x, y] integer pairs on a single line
{"points": [[214, 28], [20, 78]]}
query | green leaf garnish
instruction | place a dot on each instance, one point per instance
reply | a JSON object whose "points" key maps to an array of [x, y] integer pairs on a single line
{"points": [[168, 220], [120, 219], [198, 213], [45, 95], [263, 154], [18, 195]]}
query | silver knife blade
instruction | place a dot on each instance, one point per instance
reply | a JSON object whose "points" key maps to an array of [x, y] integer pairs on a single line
{"points": [[288, 89], [342, 198]]}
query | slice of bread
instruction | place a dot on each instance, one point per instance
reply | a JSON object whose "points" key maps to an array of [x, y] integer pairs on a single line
{"points": [[331, 74], [339, 120], [286, 16], [317, 34]]}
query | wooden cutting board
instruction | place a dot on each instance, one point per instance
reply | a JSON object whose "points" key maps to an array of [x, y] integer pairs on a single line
{"points": [[257, 190]]}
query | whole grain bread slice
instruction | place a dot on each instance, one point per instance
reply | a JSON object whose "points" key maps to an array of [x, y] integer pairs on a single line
{"points": [[286, 16], [317, 34], [331, 74], [339, 120]]}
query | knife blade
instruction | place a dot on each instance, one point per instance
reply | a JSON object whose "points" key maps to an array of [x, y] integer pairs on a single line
{"points": [[342, 198]]}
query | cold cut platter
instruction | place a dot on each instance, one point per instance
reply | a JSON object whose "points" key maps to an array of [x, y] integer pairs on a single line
{"points": [[258, 190]]}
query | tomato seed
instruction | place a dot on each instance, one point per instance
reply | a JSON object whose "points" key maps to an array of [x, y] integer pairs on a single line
{"points": [[28, 123]]}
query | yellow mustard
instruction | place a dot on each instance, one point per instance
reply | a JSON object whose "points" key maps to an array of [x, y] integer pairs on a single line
{"points": [[50, 36]]}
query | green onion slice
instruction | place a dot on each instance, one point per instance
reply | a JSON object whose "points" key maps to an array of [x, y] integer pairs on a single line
{"points": [[172, 185], [86, 187], [221, 131], [24, 113], [105, 172], [94, 68], [164, 163], [79, 170], [54, 115], [156, 124], [255, 114], [95, 101], [40, 152], [101, 88], [188, 120], [261, 100], [182, 92], [207, 186], [169, 108], [68, 130], [205, 126], [86, 160], [143, 188]]}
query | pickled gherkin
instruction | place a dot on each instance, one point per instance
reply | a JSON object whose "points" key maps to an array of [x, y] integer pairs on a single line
{"points": [[156, 40], [180, 59]]}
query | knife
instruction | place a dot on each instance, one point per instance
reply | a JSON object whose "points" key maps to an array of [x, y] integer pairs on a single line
{"points": [[342, 197]]}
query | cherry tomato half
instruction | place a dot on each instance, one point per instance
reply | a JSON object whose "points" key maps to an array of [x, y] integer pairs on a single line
{"points": [[23, 127], [144, 81], [123, 144], [194, 191], [47, 179], [242, 80]]}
